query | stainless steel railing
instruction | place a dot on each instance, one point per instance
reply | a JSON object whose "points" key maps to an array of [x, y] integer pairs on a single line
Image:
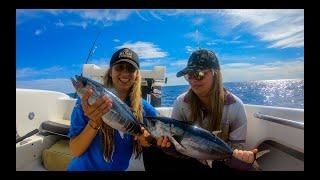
{"points": [[287, 122]]}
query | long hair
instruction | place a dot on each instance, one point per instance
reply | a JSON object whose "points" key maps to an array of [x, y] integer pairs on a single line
{"points": [[136, 107], [216, 104]]}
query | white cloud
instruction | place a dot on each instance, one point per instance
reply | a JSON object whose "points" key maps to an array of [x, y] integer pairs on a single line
{"points": [[102, 62], [196, 36], [253, 17], [30, 72], [87, 16], [225, 58], [150, 63], [283, 28], [236, 38], [275, 70], [24, 15], [210, 43], [59, 84], [104, 15], [223, 41], [173, 80], [293, 41], [190, 12], [82, 24], [26, 72], [139, 14], [179, 63], [198, 21], [40, 31], [237, 65], [248, 46], [156, 15], [145, 50], [190, 49], [78, 66], [60, 23]]}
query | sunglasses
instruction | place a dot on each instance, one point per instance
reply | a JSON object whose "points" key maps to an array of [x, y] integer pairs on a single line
{"points": [[196, 75], [125, 67]]}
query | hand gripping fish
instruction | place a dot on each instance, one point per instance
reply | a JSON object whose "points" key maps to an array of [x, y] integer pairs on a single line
{"points": [[188, 139], [120, 116]]}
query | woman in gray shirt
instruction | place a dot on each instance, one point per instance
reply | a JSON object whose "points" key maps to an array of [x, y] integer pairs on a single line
{"points": [[209, 105]]}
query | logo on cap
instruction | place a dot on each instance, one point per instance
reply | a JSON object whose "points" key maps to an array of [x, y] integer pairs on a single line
{"points": [[126, 53]]}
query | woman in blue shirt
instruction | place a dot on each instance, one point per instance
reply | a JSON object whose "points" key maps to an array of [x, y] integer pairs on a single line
{"points": [[95, 145]]}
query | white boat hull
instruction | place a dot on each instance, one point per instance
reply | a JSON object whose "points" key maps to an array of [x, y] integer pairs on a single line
{"points": [[285, 142]]}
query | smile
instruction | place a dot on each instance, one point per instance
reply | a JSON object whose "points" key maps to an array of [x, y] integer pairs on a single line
{"points": [[124, 80]]}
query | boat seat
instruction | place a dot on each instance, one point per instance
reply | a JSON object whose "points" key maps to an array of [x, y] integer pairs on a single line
{"points": [[58, 127], [58, 156]]}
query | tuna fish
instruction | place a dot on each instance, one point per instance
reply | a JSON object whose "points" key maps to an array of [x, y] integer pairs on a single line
{"points": [[188, 139], [120, 116]]}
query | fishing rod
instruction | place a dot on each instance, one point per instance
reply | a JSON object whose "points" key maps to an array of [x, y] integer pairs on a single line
{"points": [[91, 52], [92, 49]]}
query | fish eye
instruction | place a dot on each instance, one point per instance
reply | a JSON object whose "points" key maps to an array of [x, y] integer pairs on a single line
{"points": [[150, 122], [84, 82], [153, 123]]}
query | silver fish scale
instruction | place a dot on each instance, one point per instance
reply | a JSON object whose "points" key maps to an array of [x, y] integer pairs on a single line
{"points": [[118, 100], [201, 147], [122, 124]]}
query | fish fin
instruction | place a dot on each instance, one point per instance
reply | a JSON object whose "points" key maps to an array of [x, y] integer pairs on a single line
{"points": [[189, 123], [178, 140], [209, 163], [261, 153], [169, 119], [141, 124], [255, 165], [216, 132]]}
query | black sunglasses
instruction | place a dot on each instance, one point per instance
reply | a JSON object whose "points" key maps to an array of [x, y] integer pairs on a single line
{"points": [[196, 75], [125, 66]]}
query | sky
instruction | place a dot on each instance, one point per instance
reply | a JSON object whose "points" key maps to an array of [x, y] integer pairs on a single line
{"points": [[52, 45]]}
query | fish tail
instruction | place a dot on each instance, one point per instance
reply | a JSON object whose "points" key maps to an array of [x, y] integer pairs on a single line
{"points": [[74, 83]]}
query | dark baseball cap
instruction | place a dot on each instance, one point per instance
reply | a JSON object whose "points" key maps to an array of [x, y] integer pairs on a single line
{"points": [[125, 55], [200, 60]]}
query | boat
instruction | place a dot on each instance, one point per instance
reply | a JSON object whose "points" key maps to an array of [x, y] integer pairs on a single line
{"points": [[43, 119]]}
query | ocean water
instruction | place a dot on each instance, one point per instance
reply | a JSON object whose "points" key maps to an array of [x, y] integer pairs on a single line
{"points": [[281, 93]]}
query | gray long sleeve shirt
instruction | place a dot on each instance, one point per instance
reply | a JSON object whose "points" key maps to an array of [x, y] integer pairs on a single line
{"points": [[233, 123]]}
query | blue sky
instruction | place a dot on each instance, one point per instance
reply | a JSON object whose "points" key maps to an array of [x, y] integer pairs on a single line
{"points": [[52, 45]]}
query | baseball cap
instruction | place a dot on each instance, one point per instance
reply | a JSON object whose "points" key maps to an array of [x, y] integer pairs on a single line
{"points": [[200, 60], [125, 55]]}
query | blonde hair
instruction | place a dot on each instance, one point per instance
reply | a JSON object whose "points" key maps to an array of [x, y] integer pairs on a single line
{"points": [[136, 106], [216, 104]]}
